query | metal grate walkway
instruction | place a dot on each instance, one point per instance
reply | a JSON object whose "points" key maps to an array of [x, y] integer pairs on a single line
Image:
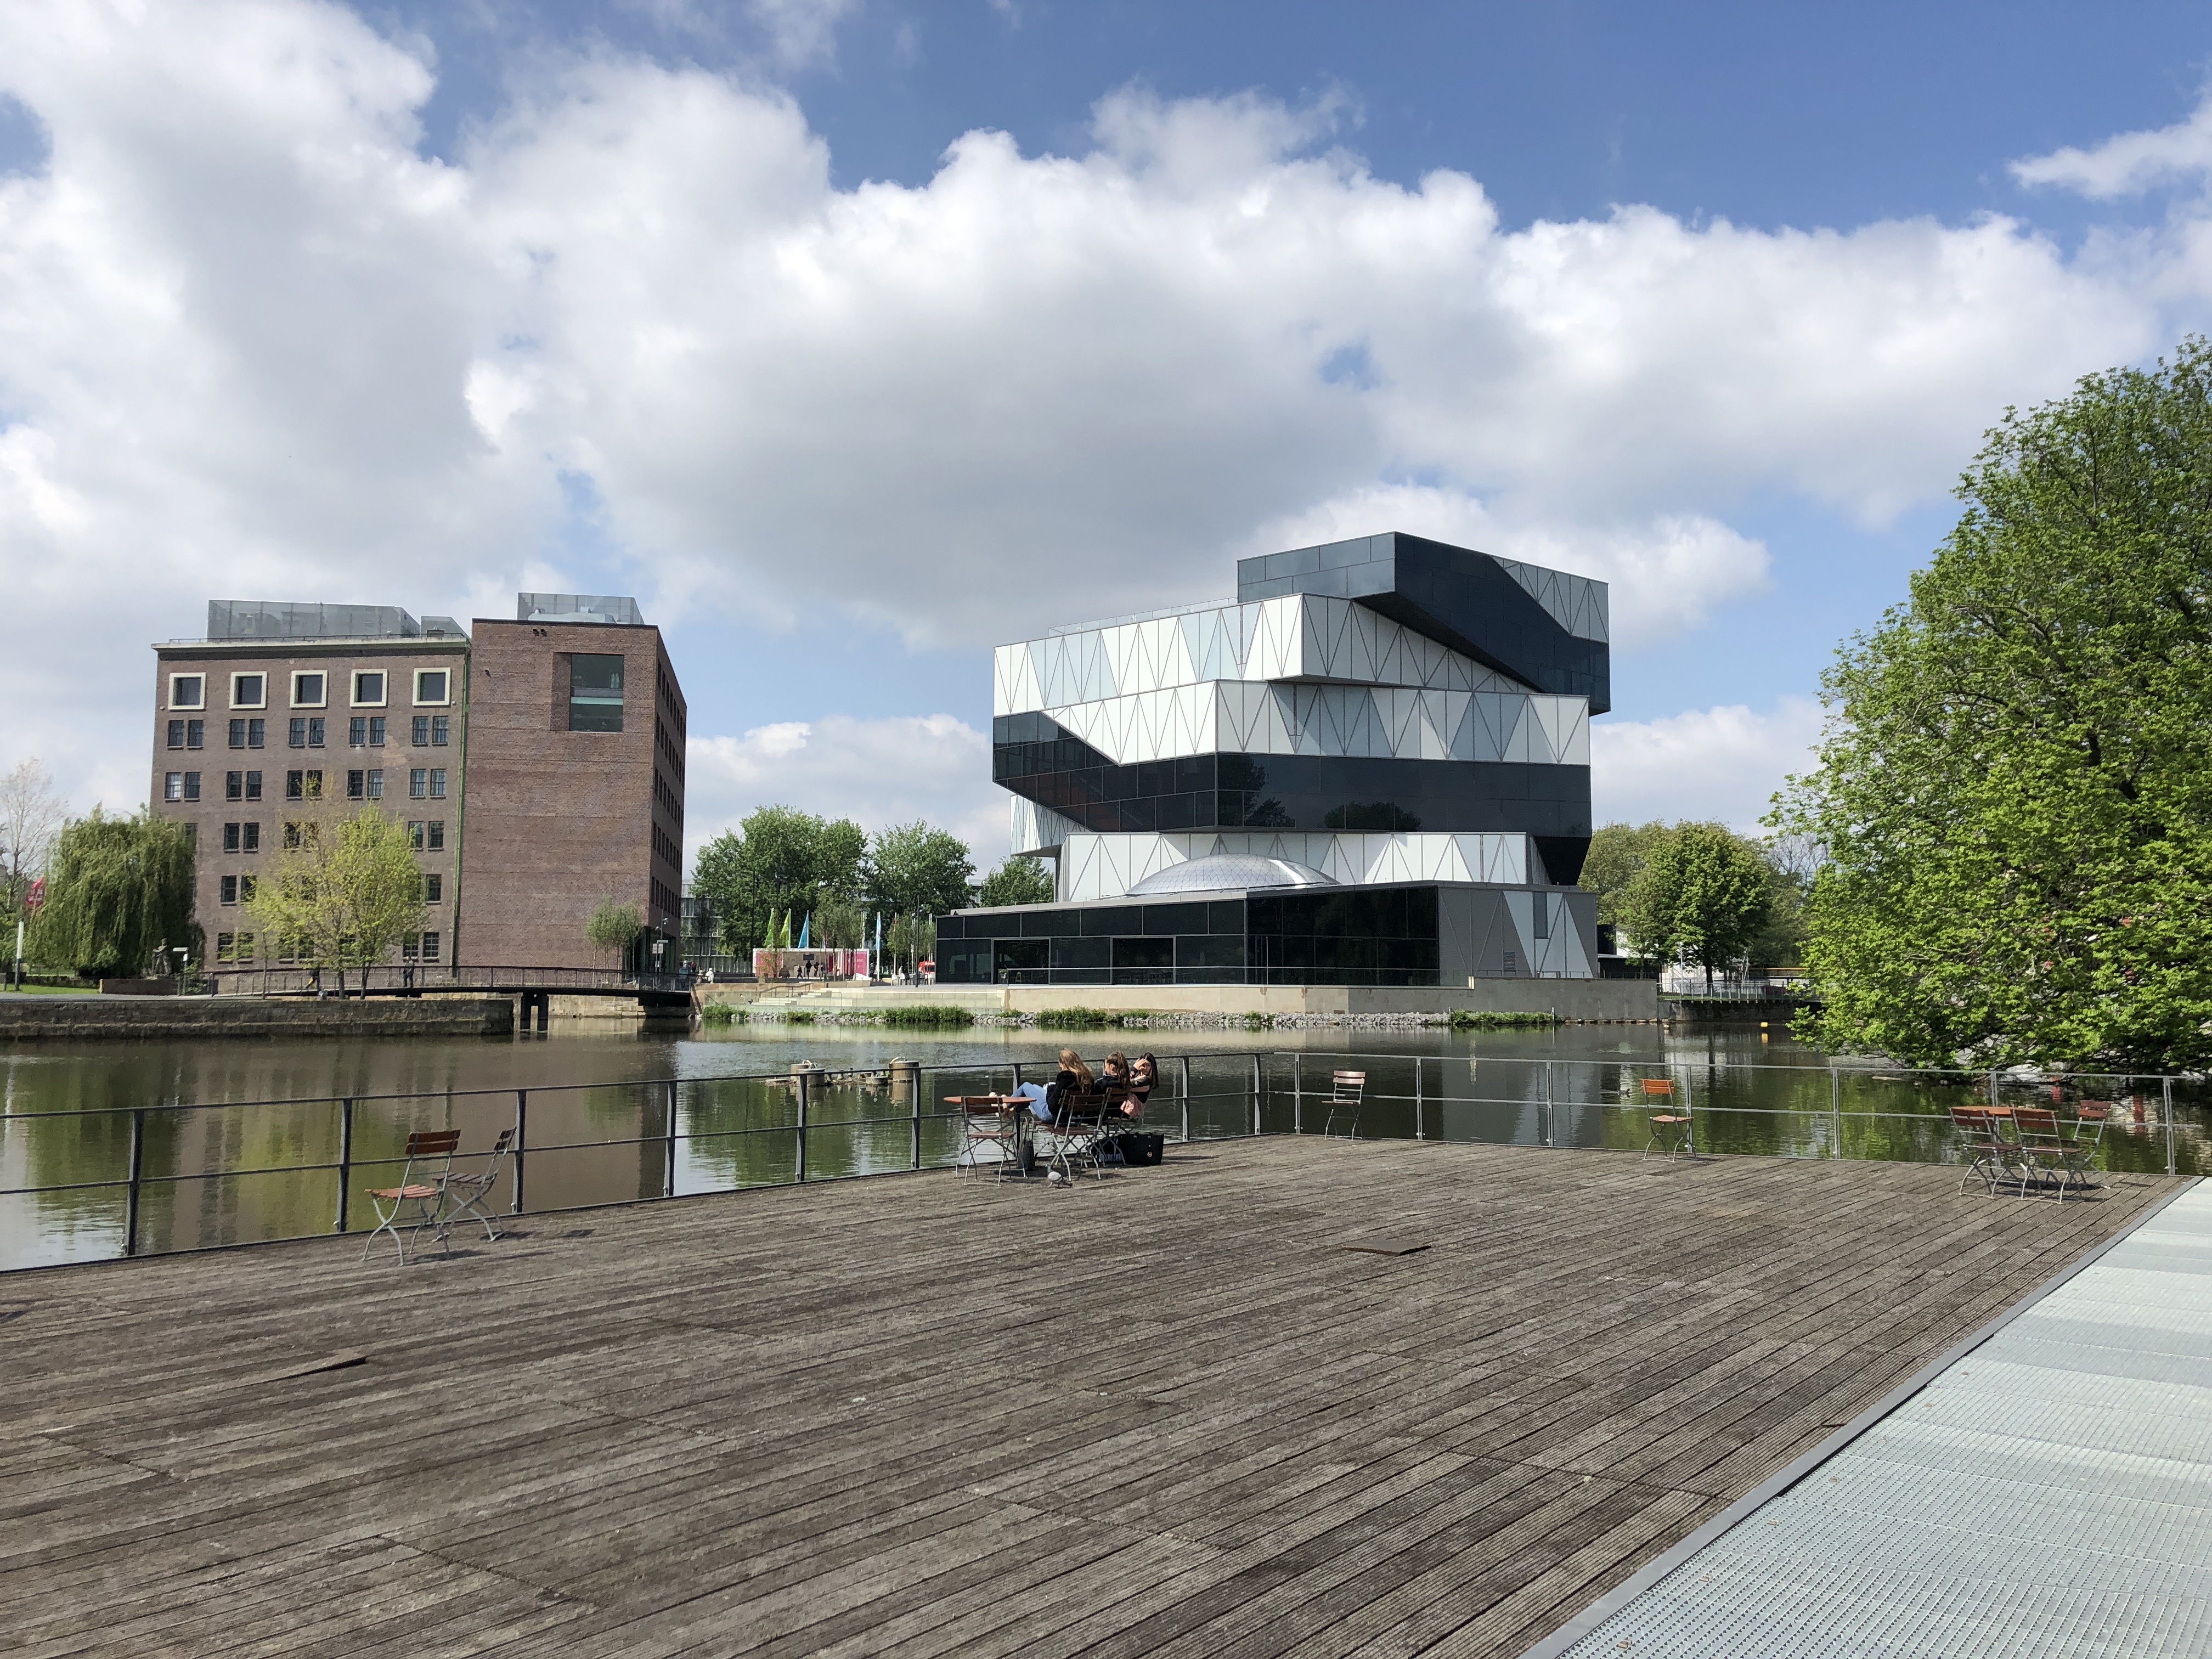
{"points": [[2049, 1493]]}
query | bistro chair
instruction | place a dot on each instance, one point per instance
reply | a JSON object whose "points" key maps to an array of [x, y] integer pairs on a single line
{"points": [[990, 1125], [1080, 1127], [1988, 1153], [2040, 1147], [1344, 1101], [418, 1201], [1670, 1129], [466, 1193], [2088, 1135]]}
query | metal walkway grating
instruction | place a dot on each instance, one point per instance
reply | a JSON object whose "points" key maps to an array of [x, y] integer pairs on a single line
{"points": [[2048, 1495]]}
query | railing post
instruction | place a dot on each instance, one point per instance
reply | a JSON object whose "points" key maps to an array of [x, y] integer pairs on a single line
{"points": [[671, 1178], [1551, 1098], [2166, 1084], [1689, 1118], [345, 1160], [130, 1193], [522, 1124], [1255, 1092], [1298, 1093], [803, 1080], [917, 1083], [1185, 1096], [1421, 1130], [1835, 1110]]}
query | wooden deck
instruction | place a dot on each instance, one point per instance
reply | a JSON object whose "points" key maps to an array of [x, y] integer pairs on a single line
{"points": [[1168, 1415]]}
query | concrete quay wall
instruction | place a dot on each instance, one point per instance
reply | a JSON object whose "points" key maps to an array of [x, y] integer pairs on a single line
{"points": [[1570, 998], [82, 1018]]}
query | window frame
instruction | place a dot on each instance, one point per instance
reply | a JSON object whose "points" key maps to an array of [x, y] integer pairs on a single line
{"points": [[261, 701], [383, 688], [199, 691], [226, 889], [191, 785], [444, 702], [437, 783], [173, 786], [322, 700], [175, 734]]}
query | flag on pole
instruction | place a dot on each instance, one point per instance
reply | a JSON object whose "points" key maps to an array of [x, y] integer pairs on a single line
{"points": [[805, 928]]}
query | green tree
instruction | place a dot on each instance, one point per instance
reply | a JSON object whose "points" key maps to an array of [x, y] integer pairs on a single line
{"points": [[2014, 790], [343, 891], [779, 858], [840, 923], [1702, 898], [117, 891], [1019, 880], [613, 925], [918, 869], [1618, 853]]}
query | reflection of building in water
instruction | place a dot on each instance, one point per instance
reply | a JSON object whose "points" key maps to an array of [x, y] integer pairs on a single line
{"points": [[1371, 767]]}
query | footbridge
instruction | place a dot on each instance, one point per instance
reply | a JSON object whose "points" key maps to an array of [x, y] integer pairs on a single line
{"points": [[534, 986]]}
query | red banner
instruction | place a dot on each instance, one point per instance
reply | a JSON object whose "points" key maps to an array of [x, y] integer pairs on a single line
{"points": [[36, 896]]}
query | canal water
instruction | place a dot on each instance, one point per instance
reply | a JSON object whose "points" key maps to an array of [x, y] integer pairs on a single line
{"points": [[236, 1141]]}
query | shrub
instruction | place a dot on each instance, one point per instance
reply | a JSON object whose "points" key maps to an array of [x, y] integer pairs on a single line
{"points": [[1089, 1020], [717, 1013], [927, 1014], [799, 1016], [1468, 1019]]}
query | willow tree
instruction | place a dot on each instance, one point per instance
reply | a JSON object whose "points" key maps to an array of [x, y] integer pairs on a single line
{"points": [[343, 891], [118, 890], [2014, 793]]}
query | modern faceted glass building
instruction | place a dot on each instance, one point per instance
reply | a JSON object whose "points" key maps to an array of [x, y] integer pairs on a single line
{"points": [[1371, 768]]}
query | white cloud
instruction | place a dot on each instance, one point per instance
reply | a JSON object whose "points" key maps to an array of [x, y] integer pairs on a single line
{"points": [[1721, 763], [802, 31], [875, 772], [2128, 163]]}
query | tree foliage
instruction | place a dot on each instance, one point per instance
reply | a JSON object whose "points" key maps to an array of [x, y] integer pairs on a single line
{"points": [[1702, 897], [2015, 791], [1618, 854], [118, 891], [779, 858], [1018, 881], [613, 925], [342, 892], [31, 814], [918, 869]]}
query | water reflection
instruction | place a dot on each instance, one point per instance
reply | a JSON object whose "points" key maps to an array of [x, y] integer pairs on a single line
{"points": [[596, 1110]]}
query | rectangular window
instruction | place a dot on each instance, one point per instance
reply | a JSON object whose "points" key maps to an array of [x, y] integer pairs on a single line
{"points": [[369, 689], [253, 786], [238, 734], [229, 890], [291, 837], [433, 890], [438, 835], [309, 690], [1511, 962], [230, 837], [408, 947], [173, 786], [187, 691], [177, 732], [595, 694], [244, 951], [295, 735], [357, 732], [376, 731], [250, 841], [191, 785], [257, 734], [354, 784], [1543, 914], [245, 890], [441, 727], [430, 947], [315, 732], [376, 783], [296, 786], [418, 785], [249, 690], [192, 837], [415, 834], [431, 685], [421, 731], [437, 782], [195, 734], [224, 946], [233, 786]]}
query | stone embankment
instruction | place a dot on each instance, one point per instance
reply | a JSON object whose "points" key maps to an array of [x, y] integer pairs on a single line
{"points": [[82, 1019]]}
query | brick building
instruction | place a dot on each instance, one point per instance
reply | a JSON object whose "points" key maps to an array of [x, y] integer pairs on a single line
{"points": [[575, 784], [280, 703]]}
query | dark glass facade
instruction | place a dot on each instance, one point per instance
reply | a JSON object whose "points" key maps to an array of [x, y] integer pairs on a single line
{"points": [[1333, 936], [1033, 756]]}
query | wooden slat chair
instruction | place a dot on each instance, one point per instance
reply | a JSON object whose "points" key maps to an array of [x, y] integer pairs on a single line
{"points": [[2041, 1147], [1081, 1122], [1348, 1090], [1990, 1154], [1670, 1129], [467, 1192], [988, 1124], [2088, 1135], [420, 1198]]}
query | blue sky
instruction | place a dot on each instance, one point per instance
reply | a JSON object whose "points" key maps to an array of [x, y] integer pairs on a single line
{"points": [[732, 308]]}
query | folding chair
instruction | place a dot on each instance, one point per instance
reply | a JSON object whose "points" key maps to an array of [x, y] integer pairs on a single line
{"points": [[2041, 1147], [1670, 1130], [1350, 1089], [467, 1193], [2088, 1135], [988, 1124], [431, 1151], [1079, 1125], [1990, 1155]]}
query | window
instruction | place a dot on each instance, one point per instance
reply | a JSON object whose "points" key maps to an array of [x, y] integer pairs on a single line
{"points": [[192, 837], [229, 890], [433, 890], [430, 837], [441, 727], [309, 690], [356, 781], [430, 945], [376, 783], [418, 784], [295, 735], [595, 694], [422, 730], [245, 890], [437, 782], [225, 945], [173, 786], [177, 732], [438, 835], [253, 786], [233, 786], [315, 732], [1512, 963], [256, 733], [303, 786], [195, 734], [230, 837], [238, 734], [357, 732], [292, 836], [376, 731], [432, 685], [369, 689], [191, 785], [249, 690], [1543, 914], [187, 691], [250, 839]]}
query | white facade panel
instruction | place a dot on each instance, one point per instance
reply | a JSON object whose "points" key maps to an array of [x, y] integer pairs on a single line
{"points": [[1094, 866]]}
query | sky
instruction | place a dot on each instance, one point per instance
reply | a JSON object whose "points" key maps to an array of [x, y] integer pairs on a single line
{"points": [[853, 337]]}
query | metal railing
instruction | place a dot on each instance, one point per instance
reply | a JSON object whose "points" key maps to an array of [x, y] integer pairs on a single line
{"points": [[388, 978], [691, 1140]]}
